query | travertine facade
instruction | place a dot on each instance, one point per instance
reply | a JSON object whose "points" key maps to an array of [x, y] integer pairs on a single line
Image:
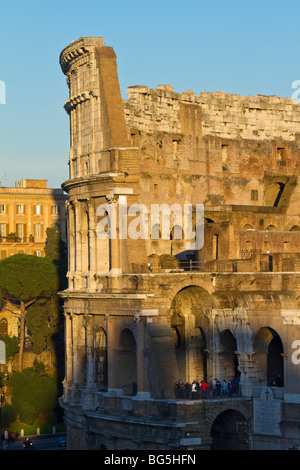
{"points": [[142, 312]]}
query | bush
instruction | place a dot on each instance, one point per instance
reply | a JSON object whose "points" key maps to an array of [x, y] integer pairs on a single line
{"points": [[11, 345], [9, 415]]}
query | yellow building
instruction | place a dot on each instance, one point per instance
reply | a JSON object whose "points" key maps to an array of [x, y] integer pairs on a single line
{"points": [[26, 211]]}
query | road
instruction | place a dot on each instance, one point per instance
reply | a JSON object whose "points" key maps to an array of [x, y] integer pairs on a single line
{"points": [[50, 443]]}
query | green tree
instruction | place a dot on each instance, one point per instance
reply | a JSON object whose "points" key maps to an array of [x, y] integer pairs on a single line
{"points": [[11, 345], [26, 279], [56, 251], [33, 393], [42, 320]]}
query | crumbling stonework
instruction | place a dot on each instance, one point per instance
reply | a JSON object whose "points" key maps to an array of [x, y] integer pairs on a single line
{"points": [[142, 312]]}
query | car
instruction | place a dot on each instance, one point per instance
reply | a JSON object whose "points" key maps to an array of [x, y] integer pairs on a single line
{"points": [[62, 442]]}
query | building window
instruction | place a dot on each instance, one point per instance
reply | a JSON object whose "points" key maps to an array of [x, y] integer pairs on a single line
{"points": [[55, 210], [20, 231], [2, 230], [2, 209], [37, 209], [20, 209], [254, 195], [37, 230], [281, 157], [3, 327], [3, 254], [175, 148], [224, 154], [286, 246], [38, 254]]}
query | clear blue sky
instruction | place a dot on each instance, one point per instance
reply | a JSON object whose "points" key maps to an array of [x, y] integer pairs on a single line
{"points": [[243, 47]]}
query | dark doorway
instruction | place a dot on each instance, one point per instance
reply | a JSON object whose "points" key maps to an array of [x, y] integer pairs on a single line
{"points": [[230, 431]]}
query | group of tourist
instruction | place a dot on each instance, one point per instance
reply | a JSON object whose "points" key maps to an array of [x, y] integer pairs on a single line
{"points": [[211, 389]]}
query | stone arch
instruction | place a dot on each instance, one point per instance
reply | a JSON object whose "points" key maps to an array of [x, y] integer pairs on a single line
{"points": [[204, 285], [271, 228], [268, 356], [100, 350], [295, 228], [247, 227], [190, 327], [177, 233], [230, 431], [127, 362], [273, 194]]}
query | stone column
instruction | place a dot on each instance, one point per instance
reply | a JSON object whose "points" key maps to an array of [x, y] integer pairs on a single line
{"points": [[93, 246], [88, 402], [115, 269], [78, 248], [75, 359], [68, 380], [140, 357], [112, 357]]}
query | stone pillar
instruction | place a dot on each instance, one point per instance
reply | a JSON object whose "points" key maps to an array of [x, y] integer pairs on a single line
{"points": [[115, 269], [112, 357], [78, 248], [88, 401], [93, 246], [75, 359], [140, 356], [68, 380], [291, 320]]}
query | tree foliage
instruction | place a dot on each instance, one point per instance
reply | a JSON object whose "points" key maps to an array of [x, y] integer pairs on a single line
{"points": [[11, 345], [43, 323], [56, 251], [26, 278], [33, 393]]}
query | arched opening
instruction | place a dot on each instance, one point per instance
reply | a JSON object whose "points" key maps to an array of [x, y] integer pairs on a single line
{"points": [[269, 357], [228, 361], [100, 348], [273, 194], [230, 431], [176, 233], [3, 327], [295, 228], [127, 369], [271, 228], [189, 326]]}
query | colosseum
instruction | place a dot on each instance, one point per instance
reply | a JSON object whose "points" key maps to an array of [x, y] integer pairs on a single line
{"points": [[206, 292]]}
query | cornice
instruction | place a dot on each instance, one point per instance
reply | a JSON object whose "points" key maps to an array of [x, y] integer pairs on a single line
{"points": [[81, 180], [72, 102], [38, 198], [78, 49]]}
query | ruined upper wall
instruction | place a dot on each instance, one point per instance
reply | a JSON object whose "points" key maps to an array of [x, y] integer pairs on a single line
{"points": [[225, 115]]}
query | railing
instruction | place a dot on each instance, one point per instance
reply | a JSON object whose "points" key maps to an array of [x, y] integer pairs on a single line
{"points": [[16, 239], [192, 265]]}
